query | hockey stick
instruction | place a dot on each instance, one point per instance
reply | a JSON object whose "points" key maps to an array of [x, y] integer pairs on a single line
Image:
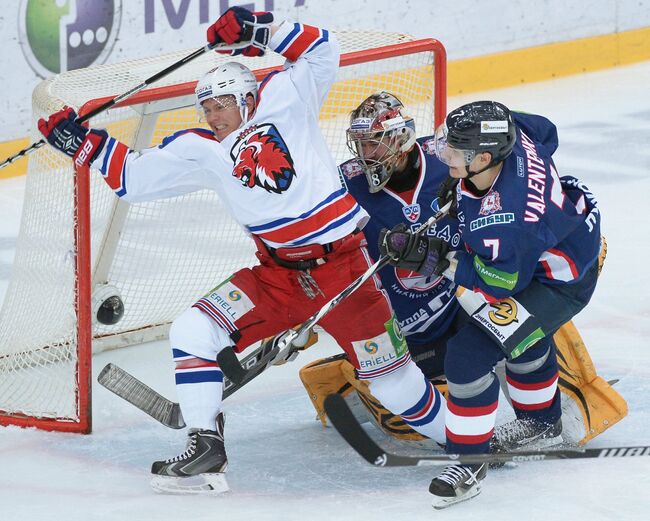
{"points": [[349, 428], [122, 97], [285, 350], [137, 393]]}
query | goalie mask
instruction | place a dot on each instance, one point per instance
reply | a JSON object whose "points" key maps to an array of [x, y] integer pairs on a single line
{"points": [[228, 84], [378, 136]]}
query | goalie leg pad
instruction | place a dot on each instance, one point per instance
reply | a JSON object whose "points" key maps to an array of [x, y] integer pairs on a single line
{"points": [[322, 378], [590, 405], [337, 375]]}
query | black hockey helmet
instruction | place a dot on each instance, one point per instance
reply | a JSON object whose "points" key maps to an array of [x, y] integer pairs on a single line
{"points": [[480, 126]]}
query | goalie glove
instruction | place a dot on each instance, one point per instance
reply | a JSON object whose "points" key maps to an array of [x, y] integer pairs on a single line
{"points": [[64, 133], [239, 25], [414, 251]]}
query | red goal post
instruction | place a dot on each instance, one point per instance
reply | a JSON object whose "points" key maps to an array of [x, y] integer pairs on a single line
{"points": [[77, 238]]}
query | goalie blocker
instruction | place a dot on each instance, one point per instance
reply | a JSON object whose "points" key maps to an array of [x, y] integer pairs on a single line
{"points": [[589, 404]]}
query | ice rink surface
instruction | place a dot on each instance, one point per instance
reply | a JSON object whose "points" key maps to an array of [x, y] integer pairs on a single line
{"points": [[285, 466]]}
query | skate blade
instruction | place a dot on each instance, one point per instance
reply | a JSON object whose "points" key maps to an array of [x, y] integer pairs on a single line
{"points": [[205, 484], [440, 503]]}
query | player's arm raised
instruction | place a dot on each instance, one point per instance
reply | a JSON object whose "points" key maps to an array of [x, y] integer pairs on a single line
{"points": [[312, 53]]}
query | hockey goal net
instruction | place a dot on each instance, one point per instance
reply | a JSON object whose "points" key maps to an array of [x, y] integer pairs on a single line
{"points": [[77, 239]]}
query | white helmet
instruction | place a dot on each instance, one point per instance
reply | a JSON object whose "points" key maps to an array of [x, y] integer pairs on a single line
{"points": [[229, 78]]}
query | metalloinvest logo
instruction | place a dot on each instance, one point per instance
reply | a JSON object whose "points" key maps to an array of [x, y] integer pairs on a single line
{"points": [[62, 35]]}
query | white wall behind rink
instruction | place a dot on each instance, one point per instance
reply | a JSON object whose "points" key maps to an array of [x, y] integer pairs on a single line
{"points": [[467, 28]]}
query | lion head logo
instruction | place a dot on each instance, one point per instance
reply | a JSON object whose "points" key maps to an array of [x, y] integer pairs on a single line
{"points": [[262, 158]]}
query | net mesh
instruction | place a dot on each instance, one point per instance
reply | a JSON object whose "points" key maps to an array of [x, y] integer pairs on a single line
{"points": [[162, 255]]}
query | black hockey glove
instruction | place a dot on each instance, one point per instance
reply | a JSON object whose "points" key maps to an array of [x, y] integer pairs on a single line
{"points": [[446, 193], [414, 251], [63, 132]]}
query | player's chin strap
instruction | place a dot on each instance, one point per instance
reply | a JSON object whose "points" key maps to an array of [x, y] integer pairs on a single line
{"points": [[471, 174], [493, 162], [284, 349]]}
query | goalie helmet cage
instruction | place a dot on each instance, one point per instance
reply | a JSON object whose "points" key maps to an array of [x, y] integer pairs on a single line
{"points": [[78, 240]]}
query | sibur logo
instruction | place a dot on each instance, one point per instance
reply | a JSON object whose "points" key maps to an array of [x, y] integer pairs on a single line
{"points": [[62, 35]]}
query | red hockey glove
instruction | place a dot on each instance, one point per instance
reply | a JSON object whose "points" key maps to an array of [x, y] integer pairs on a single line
{"points": [[239, 25], [62, 131]]}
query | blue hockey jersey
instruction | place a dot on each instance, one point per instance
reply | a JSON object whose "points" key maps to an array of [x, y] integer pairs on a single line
{"points": [[531, 224], [424, 306]]}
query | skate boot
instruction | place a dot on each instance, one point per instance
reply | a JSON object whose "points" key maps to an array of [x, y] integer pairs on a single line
{"points": [[457, 483], [198, 470]]}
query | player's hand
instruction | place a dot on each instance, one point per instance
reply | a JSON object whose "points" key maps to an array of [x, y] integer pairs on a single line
{"points": [[64, 133], [300, 343], [414, 251], [239, 25], [446, 193]]}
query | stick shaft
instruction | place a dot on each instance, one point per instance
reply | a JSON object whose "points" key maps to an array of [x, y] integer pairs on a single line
{"points": [[118, 99]]}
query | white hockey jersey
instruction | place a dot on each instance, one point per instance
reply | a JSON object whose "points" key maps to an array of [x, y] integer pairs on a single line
{"points": [[276, 173]]}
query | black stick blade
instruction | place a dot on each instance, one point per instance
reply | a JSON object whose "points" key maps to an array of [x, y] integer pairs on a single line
{"points": [[344, 421], [229, 363]]}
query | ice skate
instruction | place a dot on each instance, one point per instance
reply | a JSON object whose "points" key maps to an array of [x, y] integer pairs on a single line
{"points": [[457, 483], [526, 435], [199, 469]]}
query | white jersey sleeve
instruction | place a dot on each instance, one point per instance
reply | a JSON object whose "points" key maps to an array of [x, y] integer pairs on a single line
{"points": [[168, 170], [311, 66]]}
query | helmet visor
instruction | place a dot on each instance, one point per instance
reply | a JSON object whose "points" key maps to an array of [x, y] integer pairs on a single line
{"points": [[450, 156], [208, 105]]}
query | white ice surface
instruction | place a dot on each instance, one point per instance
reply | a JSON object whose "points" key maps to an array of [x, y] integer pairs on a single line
{"points": [[285, 466]]}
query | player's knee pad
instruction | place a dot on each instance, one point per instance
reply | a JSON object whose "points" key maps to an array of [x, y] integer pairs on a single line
{"points": [[195, 333], [531, 361], [465, 390]]}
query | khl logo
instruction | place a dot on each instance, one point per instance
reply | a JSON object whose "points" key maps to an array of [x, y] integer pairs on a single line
{"points": [[412, 212], [62, 35]]}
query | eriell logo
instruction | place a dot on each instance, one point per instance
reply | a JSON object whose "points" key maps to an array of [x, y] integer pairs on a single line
{"points": [[62, 35]]}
